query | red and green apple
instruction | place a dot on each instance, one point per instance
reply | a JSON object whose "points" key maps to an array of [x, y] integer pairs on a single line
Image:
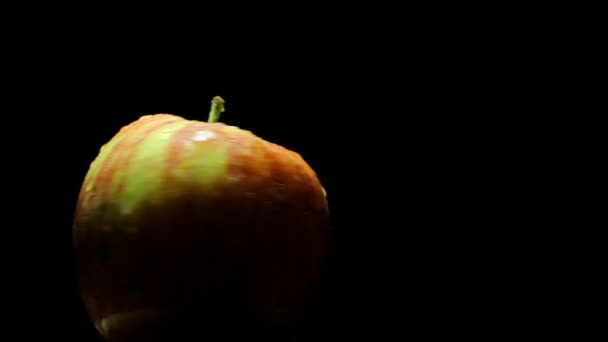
{"points": [[187, 228]]}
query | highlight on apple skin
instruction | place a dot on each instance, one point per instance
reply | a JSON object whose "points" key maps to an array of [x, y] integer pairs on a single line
{"points": [[190, 229]]}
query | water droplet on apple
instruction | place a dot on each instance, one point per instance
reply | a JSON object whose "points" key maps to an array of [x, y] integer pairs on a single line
{"points": [[234, 177], [203, 135]]}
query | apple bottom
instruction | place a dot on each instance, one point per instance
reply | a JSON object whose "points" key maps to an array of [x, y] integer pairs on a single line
{"points": [[183, 288], [154, 325], [158, 325], [164, 290], [184, 266]]}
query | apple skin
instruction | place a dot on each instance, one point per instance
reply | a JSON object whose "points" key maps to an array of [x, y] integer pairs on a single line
{"points": [[186, 229]]}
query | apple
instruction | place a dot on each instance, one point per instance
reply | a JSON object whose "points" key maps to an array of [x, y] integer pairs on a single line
{"points": [[186, 229]]}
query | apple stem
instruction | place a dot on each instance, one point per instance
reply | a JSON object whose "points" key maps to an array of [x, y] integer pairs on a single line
{"points": [[217, 107]]}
